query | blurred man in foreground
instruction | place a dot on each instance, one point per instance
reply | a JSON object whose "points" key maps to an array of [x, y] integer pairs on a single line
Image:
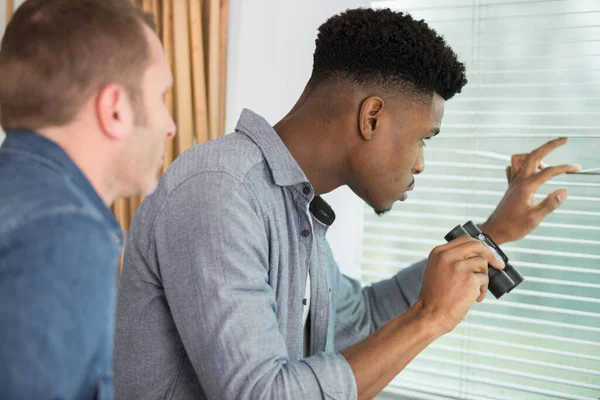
{"points": [[81, 101]]}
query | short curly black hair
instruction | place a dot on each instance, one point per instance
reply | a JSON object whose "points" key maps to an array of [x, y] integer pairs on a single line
{"points": [[388, 48]]}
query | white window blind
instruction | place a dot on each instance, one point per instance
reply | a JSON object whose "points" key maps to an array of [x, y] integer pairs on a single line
{"points": [[534, 74]]}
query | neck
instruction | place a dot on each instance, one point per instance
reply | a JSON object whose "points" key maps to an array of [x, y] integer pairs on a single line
{"points": [[91, 155], [311, 139]]}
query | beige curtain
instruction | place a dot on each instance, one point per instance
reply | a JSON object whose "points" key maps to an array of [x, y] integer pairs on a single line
{"points": [[10, 7], [194, 35]]}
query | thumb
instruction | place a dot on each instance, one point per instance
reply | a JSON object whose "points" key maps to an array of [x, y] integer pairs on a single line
{"points": [[551, 203]]}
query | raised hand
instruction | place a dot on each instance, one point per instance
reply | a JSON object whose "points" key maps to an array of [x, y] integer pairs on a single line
{"points": [[517, 214]]}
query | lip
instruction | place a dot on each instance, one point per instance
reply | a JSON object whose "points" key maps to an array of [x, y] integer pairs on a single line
{"points": [[405, 193]]}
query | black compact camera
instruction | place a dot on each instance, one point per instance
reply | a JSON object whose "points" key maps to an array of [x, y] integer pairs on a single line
{"points": [[501, 281]]}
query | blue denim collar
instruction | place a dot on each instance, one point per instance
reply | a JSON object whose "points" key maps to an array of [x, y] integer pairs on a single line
{"points": [[53, 156]]}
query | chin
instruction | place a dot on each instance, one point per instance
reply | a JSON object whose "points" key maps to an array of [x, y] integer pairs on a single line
{"points": [[152, 182], [147, 187], [381, 213], [381, 209], [378, 203], [150, 187]]}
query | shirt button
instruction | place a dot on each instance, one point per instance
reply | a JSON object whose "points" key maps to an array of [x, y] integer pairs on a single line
{"points": [[306, 190], [306, 233]]}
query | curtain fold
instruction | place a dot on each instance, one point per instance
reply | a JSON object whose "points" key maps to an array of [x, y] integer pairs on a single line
{"points": [[194, 35], [10, 7]]}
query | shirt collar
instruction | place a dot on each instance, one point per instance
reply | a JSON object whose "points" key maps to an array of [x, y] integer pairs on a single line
{"points": [[52, 155], [283, 166]]}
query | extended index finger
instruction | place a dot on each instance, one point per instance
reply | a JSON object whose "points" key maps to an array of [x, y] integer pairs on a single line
{"points": [[536, 156], [545, 175]]}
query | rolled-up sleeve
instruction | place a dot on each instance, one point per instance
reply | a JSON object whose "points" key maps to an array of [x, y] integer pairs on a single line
{"points": [[213, 253], [362, 310]]}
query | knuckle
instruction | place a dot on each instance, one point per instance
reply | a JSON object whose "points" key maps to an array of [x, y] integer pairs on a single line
{"points": [[551, 171], [444, 257], [455, 266], [480, 246], [489, 258], [485, 261], [485, 281]]}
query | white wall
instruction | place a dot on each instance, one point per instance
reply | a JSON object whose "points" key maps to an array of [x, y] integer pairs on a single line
{"points": [[2, 27], [17, 4], [271, 43], [2, 16]]}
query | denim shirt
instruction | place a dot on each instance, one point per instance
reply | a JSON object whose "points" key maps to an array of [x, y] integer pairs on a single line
{"points": [[211, 295], [59, 248]]}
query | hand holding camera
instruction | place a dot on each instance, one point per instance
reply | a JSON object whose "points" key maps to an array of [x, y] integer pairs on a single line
{"points": [[459, 273], [501, 281]]}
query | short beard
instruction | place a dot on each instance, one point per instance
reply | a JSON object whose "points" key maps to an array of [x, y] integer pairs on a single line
{"points": [[381, 213]]}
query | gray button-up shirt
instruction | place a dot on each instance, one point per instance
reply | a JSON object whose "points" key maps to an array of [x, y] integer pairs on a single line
{"points": [[211, 294]]}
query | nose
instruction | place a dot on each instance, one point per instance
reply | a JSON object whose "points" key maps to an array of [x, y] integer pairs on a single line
{"points": [[419, 165], [172, 129]]}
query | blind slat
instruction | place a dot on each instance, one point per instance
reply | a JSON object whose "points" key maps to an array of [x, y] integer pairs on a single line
{"points": [[521, 126], [414, 391], [421, 254], [460, 218], [524, 292], [495, 382], [441, 232], [495, 356], [534, 307], [516, 113], [463, 178], [441, 5], [505, 317], [384, 249], [447, 135], [482, 367], [516, 332], [500, 343]]}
